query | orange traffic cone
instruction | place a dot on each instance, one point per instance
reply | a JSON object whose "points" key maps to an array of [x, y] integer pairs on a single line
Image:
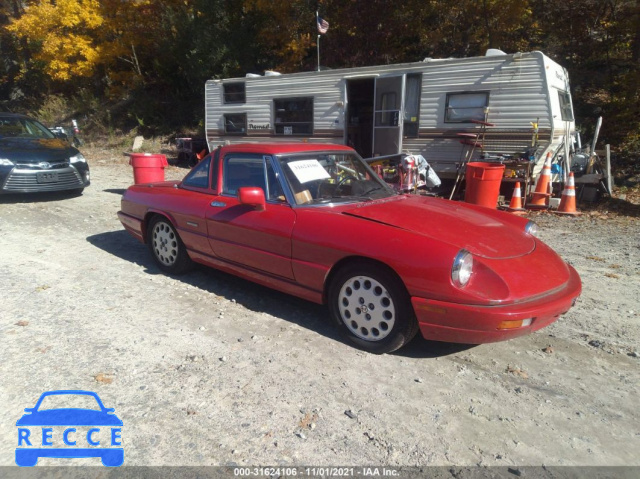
{"points": [[539, 197], [515, 205], [568, 200]]}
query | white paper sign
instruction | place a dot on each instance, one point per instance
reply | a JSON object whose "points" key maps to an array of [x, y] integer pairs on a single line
{"points": [[308, 170]]}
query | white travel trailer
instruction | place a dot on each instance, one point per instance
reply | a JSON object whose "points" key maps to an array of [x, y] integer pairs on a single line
{"points": [[429, 108]]}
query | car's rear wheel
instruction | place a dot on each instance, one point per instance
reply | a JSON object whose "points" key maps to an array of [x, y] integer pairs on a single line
{"points": [[372, 308], [167, 248]]}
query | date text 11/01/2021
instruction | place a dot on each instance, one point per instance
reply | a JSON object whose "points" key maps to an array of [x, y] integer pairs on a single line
{"points": [[316, 471]]}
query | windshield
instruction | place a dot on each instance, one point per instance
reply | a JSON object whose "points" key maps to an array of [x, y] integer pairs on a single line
{"points": [[23, 128], [320, 177]]}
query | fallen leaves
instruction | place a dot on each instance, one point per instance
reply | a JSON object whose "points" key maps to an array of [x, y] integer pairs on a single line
{"points": [[517, 372], [23, 323], [307, 421], [104, 378]]}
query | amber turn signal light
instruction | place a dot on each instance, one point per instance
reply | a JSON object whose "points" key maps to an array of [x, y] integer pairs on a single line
{"points": [[520, 323]]}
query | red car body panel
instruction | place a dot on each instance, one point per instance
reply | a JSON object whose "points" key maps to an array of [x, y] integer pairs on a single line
{"points": [[296, 248], [256, 239], [471, 324]]}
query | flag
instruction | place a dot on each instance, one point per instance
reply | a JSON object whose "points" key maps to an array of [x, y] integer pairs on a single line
{"points": [[323, 25]]}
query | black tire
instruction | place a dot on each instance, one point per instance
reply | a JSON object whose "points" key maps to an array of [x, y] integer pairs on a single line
{"points": [[371, 307], [168, 250]]}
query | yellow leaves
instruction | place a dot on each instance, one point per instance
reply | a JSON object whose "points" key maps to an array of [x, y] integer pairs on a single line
{"points": [[63, 36]]}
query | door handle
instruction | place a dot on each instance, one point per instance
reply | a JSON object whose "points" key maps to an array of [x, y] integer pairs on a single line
{"points": [[218, 204]]}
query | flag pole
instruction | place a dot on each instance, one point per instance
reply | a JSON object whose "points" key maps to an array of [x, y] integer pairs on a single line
{"points": [[318, 42]]}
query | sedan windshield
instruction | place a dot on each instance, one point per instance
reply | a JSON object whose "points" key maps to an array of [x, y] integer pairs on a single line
{"points": [[22, 128], [320, 177]]}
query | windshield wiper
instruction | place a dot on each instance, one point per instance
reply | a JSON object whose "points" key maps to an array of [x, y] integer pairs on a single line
{"points": [[371, 190]]}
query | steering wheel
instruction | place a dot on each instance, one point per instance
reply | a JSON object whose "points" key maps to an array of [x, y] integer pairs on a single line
{"points": [[343, 181]]}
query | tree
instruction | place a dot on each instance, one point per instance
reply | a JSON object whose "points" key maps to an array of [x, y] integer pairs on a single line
{"points": [[61, 36]]}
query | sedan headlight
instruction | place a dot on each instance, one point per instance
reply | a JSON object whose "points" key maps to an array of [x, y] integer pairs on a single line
{"points": [[462, 268], [5, 162], [78, 159], [531, 228]]}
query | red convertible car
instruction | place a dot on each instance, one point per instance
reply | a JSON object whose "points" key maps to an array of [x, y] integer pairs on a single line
{"points": [[315, 221]]}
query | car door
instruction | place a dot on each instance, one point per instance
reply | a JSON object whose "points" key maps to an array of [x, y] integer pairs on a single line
{"points": [[188, 204], [241, 234]]}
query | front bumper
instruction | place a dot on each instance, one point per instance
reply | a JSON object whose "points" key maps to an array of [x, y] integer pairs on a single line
{"points": [[473, 324], [32, 179]]}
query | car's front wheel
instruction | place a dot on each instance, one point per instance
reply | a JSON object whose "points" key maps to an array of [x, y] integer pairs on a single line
{"points": [[166, 247], [372, 308]]}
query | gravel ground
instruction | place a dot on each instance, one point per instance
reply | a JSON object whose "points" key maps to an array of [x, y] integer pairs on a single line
{"points": [[208, 369]]}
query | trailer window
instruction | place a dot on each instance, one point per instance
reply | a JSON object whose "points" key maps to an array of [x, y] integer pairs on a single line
{"points": [[234, 93], [465, 107], [565, 106], [293, 116], [235, 124]]}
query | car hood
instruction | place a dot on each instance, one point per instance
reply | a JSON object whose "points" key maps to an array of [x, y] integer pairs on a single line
{"points": [[69, 417], [35, 150], [482, 234]]}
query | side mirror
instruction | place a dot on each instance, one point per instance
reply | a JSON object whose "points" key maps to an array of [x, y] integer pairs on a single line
{"points": [[252, 196]]}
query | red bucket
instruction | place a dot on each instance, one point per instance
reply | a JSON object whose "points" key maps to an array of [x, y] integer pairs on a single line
{"points": [[147, 168], [483, 183]]}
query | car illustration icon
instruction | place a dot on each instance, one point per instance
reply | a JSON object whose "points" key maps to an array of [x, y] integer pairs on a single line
{"points": [[69, 432]]}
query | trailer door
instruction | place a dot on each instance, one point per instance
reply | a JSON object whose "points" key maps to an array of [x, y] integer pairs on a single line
{"points": [[388, 114]]}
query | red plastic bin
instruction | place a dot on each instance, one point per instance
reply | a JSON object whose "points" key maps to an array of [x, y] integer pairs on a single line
{"points": [[147, 167], [483, 183]]}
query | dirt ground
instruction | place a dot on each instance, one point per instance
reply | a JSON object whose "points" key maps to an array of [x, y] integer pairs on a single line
{"points": [[208, 369]]}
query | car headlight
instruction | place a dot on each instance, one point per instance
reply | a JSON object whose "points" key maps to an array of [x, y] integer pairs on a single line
{"points": [[5, 162], [78, 159], [462, 268], [531, 228]]}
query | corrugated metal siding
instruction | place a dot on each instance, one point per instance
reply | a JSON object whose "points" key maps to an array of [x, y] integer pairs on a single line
{"points": [[517, 97]]}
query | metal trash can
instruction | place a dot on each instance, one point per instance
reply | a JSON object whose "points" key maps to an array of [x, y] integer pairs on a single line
{"points": [[147, 167], [483, 183]]}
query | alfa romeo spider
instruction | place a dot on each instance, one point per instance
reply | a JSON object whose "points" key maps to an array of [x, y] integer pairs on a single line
{"points": [[315, 221]]}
